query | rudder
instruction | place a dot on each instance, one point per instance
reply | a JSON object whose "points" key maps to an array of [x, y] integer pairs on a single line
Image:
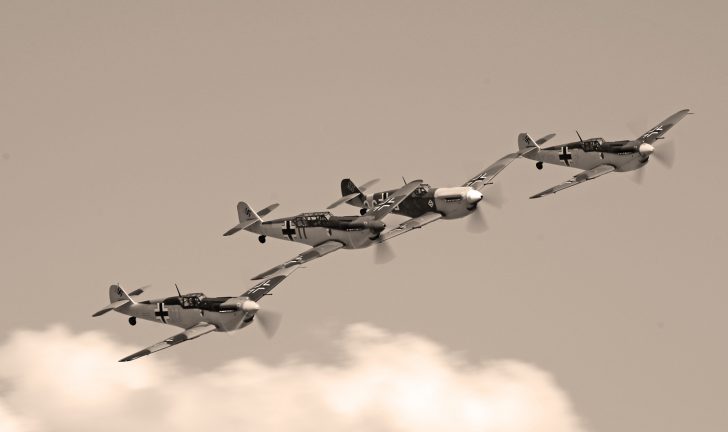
{"points": [[117, 293]]}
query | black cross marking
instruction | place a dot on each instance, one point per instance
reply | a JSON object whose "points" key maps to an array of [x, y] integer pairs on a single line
{"points": [[288, 231], [565, 156], [162, 314]]}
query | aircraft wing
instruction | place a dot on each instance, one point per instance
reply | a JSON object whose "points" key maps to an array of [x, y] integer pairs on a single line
{"points": [[577, 179], [189, 334], [656, 132], [304, 257], [263, 288], [394, 200], [487, 175], [409, 225]]}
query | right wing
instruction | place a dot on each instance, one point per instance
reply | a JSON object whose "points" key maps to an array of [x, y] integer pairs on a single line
{"points": [[189, 334], [577, 179], [304, 257], [409, 225]]}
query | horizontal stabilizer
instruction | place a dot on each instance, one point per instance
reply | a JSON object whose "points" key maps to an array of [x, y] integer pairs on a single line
{"points": [[266, 211], [110, 307], [239, 227], [247, 217], [343, 199], [541, 141]]}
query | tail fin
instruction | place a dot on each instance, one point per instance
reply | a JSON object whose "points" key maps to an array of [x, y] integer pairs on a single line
{"points": [[116, 293], [117, 298], [247, 217], [350, 194], [526, 143]]}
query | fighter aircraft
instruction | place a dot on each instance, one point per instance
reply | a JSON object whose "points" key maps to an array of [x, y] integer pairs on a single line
{"points": [[428, 204], [322, 230], [196, 313], [598, 157]]}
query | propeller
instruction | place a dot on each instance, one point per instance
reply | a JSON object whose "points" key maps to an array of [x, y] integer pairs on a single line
{"points": [[476, 221], [665, 153], [383, 253], [638, 175], [269, 322], [494, 195]]}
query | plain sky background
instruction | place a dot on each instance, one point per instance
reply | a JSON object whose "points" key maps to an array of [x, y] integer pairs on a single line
{"points": [[131, 129]]}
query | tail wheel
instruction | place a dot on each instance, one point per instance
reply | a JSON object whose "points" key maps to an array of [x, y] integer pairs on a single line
{"points": [[132, 321], [261, 239], [539, 165], [363, 212]]}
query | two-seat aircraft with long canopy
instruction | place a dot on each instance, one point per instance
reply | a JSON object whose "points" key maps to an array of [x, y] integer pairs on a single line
{"points": [[597, 157], [195, 312], [323, 231]]}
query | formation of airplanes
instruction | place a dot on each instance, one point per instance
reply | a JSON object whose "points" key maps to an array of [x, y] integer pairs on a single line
{"points": [[325, 232]]}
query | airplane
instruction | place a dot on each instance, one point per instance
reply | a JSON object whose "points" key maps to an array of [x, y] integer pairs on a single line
{"points": [[322, 230], [428, 204], [597, 157], [195, 312]]}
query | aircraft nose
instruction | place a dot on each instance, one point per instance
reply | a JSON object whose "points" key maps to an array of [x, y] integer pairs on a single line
{"points": [[250, 306], [646, 149], [473, 196]]}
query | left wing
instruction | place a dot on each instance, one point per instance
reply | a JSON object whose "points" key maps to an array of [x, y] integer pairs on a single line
{"points": [[409, 225], [577, 179], [656, 132], [487, 175], [263, 288], [394, 200], [189, 334], [304, 257]]}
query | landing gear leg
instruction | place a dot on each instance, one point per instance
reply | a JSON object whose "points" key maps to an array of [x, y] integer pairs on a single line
{"points": [[261, 239], [539, 165], [132, 321]]}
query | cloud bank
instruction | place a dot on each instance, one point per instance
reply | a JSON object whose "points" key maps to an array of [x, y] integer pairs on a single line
{"points": [[55, 380]]}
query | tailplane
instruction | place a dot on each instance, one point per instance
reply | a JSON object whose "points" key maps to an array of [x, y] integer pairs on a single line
{"points": [[247, 217], [526, 144], [117, 298], [350, 194]]}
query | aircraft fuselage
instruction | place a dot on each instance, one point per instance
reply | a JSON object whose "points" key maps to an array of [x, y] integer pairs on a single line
{"points": [[587, 155], [191, 309]]}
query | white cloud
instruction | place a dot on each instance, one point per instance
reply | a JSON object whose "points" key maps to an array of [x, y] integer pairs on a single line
{"points": [[54, 380]]}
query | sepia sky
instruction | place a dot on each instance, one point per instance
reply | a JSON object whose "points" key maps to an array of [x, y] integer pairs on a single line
{"points": [[130, 130]]}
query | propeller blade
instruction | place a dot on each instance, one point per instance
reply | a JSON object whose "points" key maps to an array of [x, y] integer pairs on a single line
{"points": [[476, 222], [665, 153], [494, 195], [383, 253], [368, 184], [638, 175], [269, 321]]}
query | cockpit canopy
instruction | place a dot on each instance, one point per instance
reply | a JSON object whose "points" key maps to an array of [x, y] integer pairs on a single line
{"points": [[312, 219], [593, 144], [192, 300], [421, 189]]}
